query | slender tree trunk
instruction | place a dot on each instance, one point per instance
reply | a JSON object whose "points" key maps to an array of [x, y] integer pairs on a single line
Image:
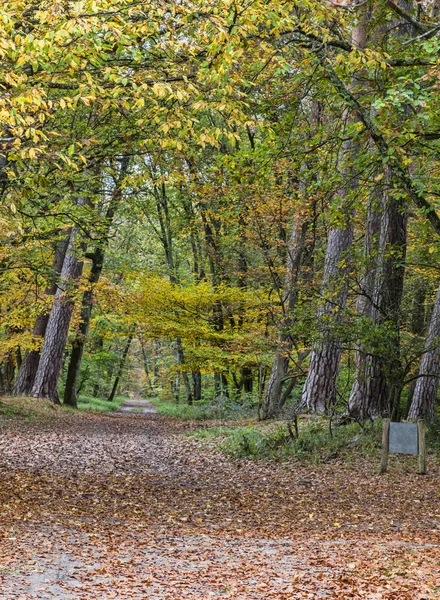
{"points": [[120, 368], [425, 393], [46, 378], [146, 368], [28, 368], [70, 391], [156, 370], [100, 346], [280, 366], [181, 361]]}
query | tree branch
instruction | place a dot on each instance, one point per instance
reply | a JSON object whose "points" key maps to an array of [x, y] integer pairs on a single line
{"points": [[400, 174]]}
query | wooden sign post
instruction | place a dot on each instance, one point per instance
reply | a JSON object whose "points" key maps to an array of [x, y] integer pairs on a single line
{"points": [[403, 438]]}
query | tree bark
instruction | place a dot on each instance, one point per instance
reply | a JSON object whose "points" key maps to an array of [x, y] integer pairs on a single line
{"points": [[28, 369], [70, 391], [379, 382], [197, 385], [357, 408], [319, 392], [425, 393], [48, 372], [146, 368]]}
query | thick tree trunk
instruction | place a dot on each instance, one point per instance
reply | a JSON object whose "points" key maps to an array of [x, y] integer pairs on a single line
{"points": [[357, 404], [383, 372], [319, 392], [120, 368], [273, 399], [28, 369], [7, 371], [425, 393], [247, 380], [46, 378], [418, 316]]}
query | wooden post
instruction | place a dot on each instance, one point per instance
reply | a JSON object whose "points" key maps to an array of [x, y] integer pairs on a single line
{"points": [[385, 446], [421, 427]]}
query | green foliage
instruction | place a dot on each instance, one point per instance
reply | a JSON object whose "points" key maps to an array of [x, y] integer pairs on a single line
{"points": [[221, 409], [315, 442], [433, 435]]}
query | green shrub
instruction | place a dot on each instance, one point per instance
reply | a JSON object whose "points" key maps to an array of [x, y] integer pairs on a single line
{"points": [[315, 441], [433, 435]]}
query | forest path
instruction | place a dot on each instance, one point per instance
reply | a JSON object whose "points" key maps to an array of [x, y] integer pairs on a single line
{"points": [[137, 405], [123, 506]]}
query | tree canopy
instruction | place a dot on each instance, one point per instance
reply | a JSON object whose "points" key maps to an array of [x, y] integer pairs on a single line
{"points": [[238, 198]]}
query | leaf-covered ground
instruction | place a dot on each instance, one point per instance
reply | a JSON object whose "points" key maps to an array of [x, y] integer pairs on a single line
{"points": [[124, 506]]}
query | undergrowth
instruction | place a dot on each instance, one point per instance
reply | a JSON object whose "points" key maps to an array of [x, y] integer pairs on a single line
{"points": [[205, 411], [277, 441]]}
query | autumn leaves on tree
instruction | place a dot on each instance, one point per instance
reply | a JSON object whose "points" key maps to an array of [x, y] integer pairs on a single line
{"points": [[238, 199]]}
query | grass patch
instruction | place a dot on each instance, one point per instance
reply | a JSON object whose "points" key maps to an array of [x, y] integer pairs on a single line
{"points": [[273, 440], [218, 431], [28, 409], [39, 409], [99, 404]]}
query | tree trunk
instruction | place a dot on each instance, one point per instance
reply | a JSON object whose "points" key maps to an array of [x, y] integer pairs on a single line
{"points": [[418, 317], [48, 372], [29, 366], [377, 389], [319, 393], [425, 393], [197, 385], [120, 369], [70, 391], [247, 381], [7, 371], [146, 369], [357, 407], [272, 402], [383, 372]]}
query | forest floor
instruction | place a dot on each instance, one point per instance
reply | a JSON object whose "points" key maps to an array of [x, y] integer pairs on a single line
{"points": [[123, 505]]}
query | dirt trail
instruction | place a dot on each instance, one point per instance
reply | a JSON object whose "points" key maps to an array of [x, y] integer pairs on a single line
{"points": [[137, 405], [123, 506]]}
